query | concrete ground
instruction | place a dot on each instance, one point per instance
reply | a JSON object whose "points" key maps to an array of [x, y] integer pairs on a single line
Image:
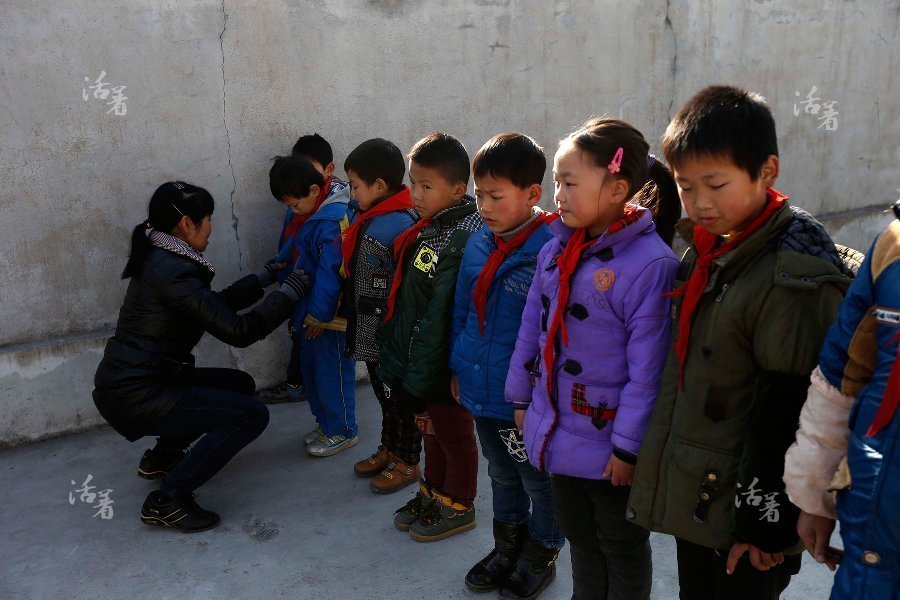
{"points": [[292, 527]]}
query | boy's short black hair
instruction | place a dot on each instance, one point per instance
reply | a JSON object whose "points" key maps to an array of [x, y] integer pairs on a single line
{"points": [[443, 153], [377, 159], [512, 156], [315, 147], [723, 121], [293, 176]]}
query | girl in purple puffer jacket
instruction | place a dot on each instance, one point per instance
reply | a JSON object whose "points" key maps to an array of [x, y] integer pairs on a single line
{"points": [[592, 344]]}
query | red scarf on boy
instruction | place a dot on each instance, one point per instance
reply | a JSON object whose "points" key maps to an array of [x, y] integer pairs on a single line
{"points": [[705, 245], [401, 244], [496, 258], [290, 232], [399, 201], [891, 397]]}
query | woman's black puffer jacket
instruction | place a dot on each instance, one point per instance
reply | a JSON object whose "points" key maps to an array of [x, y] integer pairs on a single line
{"points": [[147, 364]]}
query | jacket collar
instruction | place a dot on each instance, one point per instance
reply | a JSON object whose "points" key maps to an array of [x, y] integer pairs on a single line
{"points": [[616, 240]]}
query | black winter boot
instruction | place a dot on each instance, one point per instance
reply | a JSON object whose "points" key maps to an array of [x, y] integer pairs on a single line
{"points": [[493, 569], [535, 570]]}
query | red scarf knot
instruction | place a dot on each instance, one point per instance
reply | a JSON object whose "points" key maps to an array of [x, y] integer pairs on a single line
{"points": [[495, 260], [707, 253], [401, 245], [400, 201]]}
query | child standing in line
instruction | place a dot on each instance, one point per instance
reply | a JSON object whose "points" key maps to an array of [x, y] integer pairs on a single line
{"points": [[317, 151], [762, 282], [329, 376], [497, 269], [384, 209], [849, 431], [415, 338], [587, 363]]}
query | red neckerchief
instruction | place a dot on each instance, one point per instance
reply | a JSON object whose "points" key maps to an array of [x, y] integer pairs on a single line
{"points": [[290, 232], [568, 262], [891, 397], [401, 244], [399, 201], [496, 258], [707, 253]]}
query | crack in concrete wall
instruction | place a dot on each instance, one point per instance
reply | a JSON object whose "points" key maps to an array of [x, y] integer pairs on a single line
{"points": [[234, 219], [668, 24]]}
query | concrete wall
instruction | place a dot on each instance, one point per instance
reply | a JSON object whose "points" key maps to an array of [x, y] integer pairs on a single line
{"points": [[215, 89]]}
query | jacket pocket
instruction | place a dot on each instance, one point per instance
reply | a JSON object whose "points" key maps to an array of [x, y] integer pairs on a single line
{"points": [[371, 307], [590, 407], [701, 486]]}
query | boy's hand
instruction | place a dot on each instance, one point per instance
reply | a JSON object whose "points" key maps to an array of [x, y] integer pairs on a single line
{"points": [[620, 473], [519, 416], [763, 561], [815, 531], [313, 332], [454, 387]]}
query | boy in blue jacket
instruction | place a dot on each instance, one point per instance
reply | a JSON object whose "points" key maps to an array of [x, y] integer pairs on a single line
{"points": [[328, 374], [316, 150], [497, 268]]}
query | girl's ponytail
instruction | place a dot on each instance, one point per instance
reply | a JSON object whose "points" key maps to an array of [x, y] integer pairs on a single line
{"points": [[660, 196], [140, 245]]}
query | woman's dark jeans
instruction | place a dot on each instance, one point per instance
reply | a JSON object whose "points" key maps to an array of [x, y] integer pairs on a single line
{"points": [[219, 407]]}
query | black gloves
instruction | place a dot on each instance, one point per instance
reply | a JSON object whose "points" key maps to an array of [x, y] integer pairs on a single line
{"points": [[266, 275], [296, 285]]}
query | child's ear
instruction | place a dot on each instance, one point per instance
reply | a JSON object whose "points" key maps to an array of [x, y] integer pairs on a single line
{"points": [[769, 171], [459, 190], [315, 189], [380, 186], [329, 169], [534, 194], [620, 191]]}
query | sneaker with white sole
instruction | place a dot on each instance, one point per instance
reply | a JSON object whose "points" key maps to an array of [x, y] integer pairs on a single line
{"points": [[328, 446], [313, 435]]}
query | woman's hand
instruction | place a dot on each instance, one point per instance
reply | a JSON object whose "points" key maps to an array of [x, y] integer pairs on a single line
{"points": [[267, 274]]}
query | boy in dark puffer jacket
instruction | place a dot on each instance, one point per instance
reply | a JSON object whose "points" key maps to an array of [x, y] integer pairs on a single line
{"points": [[415, 338]]}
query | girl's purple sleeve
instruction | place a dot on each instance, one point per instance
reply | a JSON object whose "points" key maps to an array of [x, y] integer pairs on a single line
{"points": [[647, 319], [518, 380]]}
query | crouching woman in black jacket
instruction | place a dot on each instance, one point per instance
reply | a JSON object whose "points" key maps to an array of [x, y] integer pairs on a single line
{"points": [[147, 384]]}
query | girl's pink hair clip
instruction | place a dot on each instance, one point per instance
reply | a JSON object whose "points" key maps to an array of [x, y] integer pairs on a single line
{"points": [[616, 165]]}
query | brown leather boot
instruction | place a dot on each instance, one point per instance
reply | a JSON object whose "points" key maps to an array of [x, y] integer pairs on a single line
{"points": [[395, 476], [373, 465]]}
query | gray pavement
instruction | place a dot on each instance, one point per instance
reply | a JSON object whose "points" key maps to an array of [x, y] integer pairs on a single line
{"points": [[292, 527]]}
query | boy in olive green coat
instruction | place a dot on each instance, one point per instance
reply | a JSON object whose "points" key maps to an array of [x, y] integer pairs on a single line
{"points": [[759, 287]]}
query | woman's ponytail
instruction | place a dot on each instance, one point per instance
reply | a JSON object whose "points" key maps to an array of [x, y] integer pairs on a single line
{"points": [[140, 245], [171, 202]]}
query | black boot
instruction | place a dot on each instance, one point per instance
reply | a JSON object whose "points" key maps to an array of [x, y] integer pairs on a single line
{"points": [[156, 463], [535, 570], [493, 569], [183, 513]]}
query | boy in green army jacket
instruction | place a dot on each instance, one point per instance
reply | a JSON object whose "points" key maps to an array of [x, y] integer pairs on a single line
{"points": [[415, 338], [759, 287]]}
